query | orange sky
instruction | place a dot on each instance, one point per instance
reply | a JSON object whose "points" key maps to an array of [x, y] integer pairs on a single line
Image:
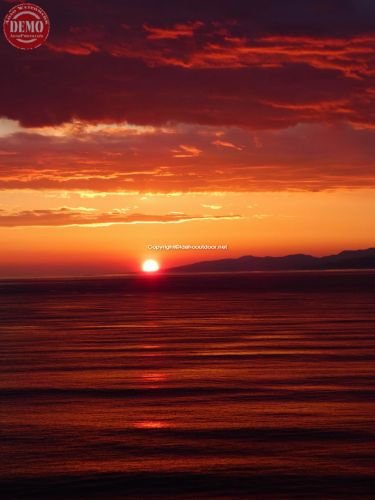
{"points": [[196, 127], [263, 223]]}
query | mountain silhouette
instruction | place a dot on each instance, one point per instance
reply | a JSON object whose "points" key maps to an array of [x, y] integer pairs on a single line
{"points": [[348, 259]]}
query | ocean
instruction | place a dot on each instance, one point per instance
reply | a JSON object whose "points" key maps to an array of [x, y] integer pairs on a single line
{"points": [[257, 385]]}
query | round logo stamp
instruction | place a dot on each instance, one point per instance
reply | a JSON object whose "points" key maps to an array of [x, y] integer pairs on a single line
{"points": [[26, 26]]}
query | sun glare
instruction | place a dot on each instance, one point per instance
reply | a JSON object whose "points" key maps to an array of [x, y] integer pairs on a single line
{"points": [[150, 266]]}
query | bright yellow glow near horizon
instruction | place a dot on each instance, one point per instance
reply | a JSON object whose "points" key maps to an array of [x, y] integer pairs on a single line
{"points": [[150, 266]]}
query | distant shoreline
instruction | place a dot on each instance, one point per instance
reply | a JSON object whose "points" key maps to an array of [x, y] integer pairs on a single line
{"points": [[345, 260]]}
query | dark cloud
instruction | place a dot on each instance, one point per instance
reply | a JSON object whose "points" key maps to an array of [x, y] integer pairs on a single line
{"points": [[341, 17], [99, 87], [249, 70], [217, 63]]}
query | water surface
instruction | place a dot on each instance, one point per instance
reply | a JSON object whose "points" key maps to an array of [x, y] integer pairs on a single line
{"points": [[231, 386]]}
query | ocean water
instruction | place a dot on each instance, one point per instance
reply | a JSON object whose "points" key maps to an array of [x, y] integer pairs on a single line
{"points": [[207, 386]]}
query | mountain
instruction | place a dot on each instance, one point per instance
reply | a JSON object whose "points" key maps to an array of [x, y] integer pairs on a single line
{"points": [[348, 259]]}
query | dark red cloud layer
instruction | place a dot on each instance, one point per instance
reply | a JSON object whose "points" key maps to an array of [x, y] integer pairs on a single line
{"points": [[266, 64], [300, 75]]}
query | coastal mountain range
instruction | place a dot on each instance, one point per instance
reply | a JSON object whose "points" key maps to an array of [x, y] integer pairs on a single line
{"points": [[348, 259]]}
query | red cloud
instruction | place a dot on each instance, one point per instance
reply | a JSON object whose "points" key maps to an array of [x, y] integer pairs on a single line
{"points": [[194, 72], [177, 31], [189, 158]]}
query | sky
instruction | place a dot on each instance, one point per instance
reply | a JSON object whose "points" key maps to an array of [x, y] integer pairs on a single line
{"points": [[248, 124]]}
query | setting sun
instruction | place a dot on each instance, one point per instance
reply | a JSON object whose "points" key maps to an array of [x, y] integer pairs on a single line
{"points": [[150, 266]]}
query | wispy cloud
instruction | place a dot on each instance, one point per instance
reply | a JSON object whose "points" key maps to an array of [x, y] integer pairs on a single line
{"points": [[82, 216], [174, 32], [226, 144], [185, 151]]}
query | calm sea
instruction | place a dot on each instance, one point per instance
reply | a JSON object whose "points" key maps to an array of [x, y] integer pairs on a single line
{"points": [[207, 386]]}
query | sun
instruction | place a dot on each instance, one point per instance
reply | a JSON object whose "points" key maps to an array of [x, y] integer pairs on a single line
{"points": [[150, 266]]}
